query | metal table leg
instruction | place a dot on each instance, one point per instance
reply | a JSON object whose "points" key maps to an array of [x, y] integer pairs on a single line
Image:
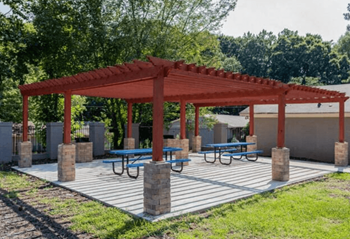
{"points": [[127, 169], [240, 157], [122, 167], [205, 157], [220, 158]]}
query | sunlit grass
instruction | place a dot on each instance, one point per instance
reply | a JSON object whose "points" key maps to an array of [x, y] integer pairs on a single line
{"points": [[319, 209], [11, 181]]}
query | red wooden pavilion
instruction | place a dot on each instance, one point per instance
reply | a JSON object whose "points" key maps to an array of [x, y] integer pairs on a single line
{"points": [[162, 80]]}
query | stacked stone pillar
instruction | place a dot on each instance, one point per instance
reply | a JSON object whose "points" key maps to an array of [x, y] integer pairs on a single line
{"points": [[252, 139], [280, 164], [196, 144], [25, 154], [156, 194], [83, 152], [175, 143], [184, 144], [66, 162], [341, 154], [129, 143]]}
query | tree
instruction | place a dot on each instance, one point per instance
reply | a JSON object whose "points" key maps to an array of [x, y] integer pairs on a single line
{"points": [[74, 36], [232, 64], [309, 56], [288, 56], [252, 51], [347, 16]]}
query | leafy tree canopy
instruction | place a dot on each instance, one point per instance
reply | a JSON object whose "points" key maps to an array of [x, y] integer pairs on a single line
{"points": [[289, 55], [67, 37]]}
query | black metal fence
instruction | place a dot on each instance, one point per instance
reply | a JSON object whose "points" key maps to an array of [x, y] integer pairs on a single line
{"points": [[108, 139], [36, 135], [82, 134]]}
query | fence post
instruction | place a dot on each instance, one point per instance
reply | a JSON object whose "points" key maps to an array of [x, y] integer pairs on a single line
{"points": [[5, 142], [220, 133], [54, 137], [96, 136], [136, 134]]}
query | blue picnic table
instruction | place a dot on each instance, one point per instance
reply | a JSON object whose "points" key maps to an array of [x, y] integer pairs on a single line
{"points": [[142, 154], [222, 148]]}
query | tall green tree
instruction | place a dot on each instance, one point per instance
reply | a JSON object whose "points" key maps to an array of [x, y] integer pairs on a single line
{"points": [[309, 56], [347, 16], [74, 36], [288, 56], [252, 51]]}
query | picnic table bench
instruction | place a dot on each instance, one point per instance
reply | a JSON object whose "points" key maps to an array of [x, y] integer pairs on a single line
{"points": [[138, 165], [113, 161], [222, 148], [213, 151], [255, 152], [128, 163]]}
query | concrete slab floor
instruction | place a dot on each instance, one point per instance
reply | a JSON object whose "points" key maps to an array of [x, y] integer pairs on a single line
{"points": [[200, 186]]}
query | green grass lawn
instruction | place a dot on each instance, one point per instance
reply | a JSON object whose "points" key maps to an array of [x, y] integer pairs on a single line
{"points": [[318, 209]]}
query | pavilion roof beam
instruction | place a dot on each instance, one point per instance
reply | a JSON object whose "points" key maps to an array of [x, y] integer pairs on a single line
{"points": [[239, 80], [271, 101], [204, 84], [215, 95], [96, 79]]}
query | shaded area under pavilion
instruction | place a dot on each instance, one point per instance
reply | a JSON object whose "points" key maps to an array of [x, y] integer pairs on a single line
{"points": [[162, 80]]}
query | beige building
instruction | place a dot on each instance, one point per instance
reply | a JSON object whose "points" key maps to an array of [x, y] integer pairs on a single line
{"points": [[227, 126], [311, 129]]}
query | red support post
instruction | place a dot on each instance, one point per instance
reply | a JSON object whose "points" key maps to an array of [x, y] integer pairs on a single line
{"points": [[25, 118], [251, 120], [281, 120], [341, 121], [196, 121], [129, 130], [182, 119], [67, 117], [158, 104]]}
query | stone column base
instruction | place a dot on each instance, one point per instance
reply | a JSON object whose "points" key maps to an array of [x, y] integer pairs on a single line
{"points": [[341, 154], [156, 188], [171, 143], [252, 139], [280, 164], [83, 152], [196, 144], [129, 143], [184, 144], [25, 154], [66, 162]]}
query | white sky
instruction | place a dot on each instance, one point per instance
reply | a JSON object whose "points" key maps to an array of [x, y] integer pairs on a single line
{"points": [[323, 17]]}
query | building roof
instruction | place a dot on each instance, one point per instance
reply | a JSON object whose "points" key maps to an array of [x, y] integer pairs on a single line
{"points": [[233, 121], [314, 108]]}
